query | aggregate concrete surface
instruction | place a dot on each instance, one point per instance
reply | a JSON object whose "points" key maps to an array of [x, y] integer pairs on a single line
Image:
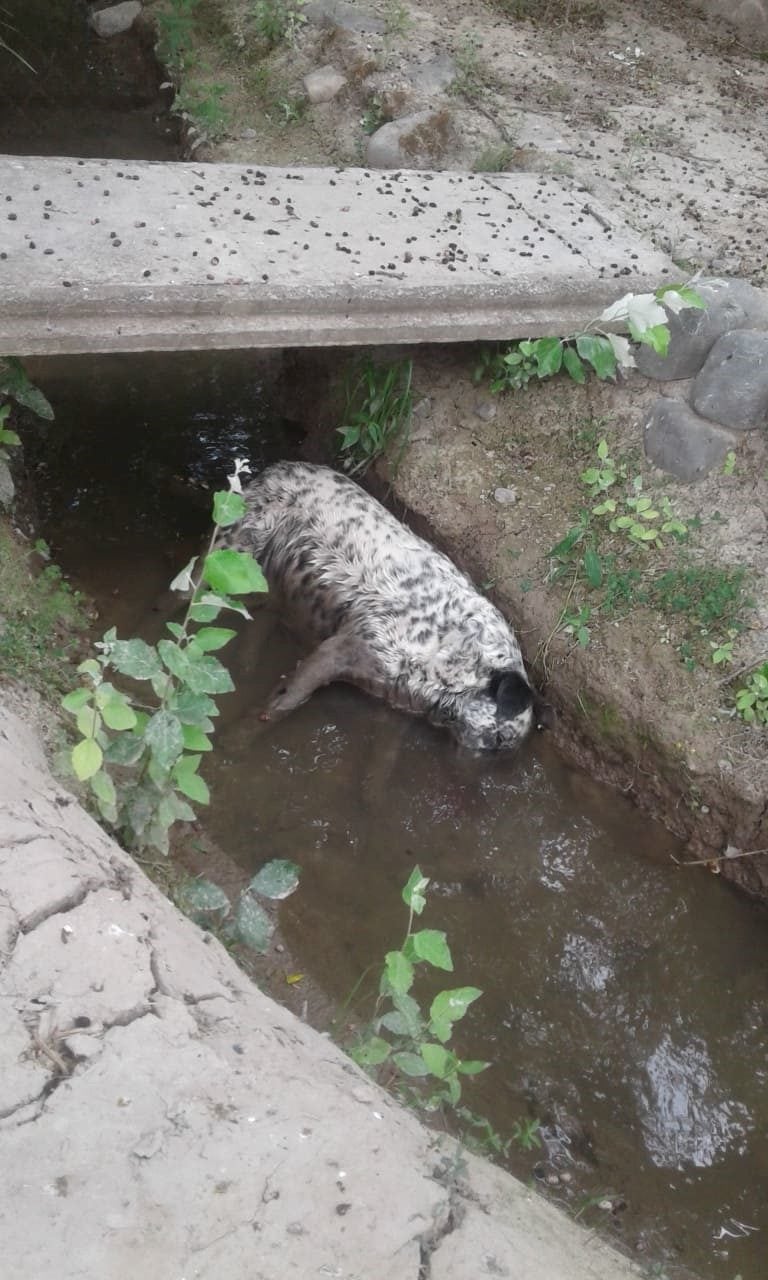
{"points": [[106, 255], [160, 1116]]}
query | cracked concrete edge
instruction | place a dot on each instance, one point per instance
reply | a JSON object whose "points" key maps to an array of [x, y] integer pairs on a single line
{"points": [[160, 1115]]}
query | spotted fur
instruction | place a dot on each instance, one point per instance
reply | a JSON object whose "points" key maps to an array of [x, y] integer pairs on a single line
{"points": [[387, 612]]}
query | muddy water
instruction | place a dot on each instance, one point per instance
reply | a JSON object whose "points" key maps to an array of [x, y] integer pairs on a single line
{"points": [[624, 1000]]}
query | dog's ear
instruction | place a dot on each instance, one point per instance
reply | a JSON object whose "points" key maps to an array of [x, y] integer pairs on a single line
{"points": [[512, 692], [543, 712]]}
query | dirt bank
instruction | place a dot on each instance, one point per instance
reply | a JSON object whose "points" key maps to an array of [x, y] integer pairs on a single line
{"points": [[164, 1116]]}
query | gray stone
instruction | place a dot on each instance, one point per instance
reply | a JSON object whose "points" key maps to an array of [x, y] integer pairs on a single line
{"points": [[339, 14], [434, 76], [485, 410], [7, 487], [732, 388], [116, 19], [731, 304], [750, 16], [678, 441], [324, 84], [411, 142], [505, 497]]}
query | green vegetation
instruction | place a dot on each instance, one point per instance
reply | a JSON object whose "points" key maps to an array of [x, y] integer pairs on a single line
{"points": [[494, 159], [278, 22], [245, 923], [610, 554], [181, 25], [412, 1043], [379, 404], [473, 77], [598, 346], [42, 623], [751, 700], [140, 757]]}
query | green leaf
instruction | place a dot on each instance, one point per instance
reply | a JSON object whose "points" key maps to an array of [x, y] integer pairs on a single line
{"points": [[203, 901], [164, 736], [203, 612], [134, 658], [398, 971], [189, 782], [195, 739], [235, 573], [103, 788], [77, 699], [208, 605], [277, 879], [573, 365], [598, 352], [200, 674], [252, 924], [450, 1006], [471, 1067], [91, 668], [602, 450], [228, 508], [548, 353], [176, 629], [593, 568], [194, 708], [431, 945], [409, 1011], [126, 749], [440, 1029], [209, 638], [15, 383], [413, 891], [9, 437], [88, 722], [438, 1060], [371, 1052], [118, 714], [410, 1064], [656, 337], [86, 759]]}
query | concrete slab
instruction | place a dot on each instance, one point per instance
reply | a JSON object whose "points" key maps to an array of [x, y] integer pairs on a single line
{"points": [[99, 255]]}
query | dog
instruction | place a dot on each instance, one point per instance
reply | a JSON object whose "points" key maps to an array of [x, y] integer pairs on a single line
{"points": [[386, 611]]}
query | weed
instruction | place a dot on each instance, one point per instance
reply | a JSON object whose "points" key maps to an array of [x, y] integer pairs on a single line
{"points": [[411, 1043], [205, 108], [643, 316], [397, 19], [247, 923], [729, 466], [494, 159], [472, 77], [278, 22], [43, 620], [574, 624], [374, 116], [175, 27], [713, 598], [141, 759], [751, 700], [526, 1133], [378, 413]]}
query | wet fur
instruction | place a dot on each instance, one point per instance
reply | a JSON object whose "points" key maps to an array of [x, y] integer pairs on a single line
{"points": [[387, 612]]}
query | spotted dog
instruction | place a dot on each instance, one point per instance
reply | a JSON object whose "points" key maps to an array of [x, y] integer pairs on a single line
{"points": [[386, 611]]}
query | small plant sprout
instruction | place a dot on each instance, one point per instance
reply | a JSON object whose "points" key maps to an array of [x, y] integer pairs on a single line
{"points": [[729, 466], [140, 754], [752, 700], [378, 413], [604, 345], [722, 650], [575, 625], [412, 1043]]}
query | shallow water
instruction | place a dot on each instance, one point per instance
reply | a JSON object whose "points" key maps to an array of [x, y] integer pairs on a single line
{"points": [[624, 999]]}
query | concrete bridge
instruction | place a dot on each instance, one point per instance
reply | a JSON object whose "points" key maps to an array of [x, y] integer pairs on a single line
{"points": [[104, 255]]}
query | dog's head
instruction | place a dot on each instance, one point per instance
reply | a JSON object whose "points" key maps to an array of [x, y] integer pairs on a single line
{"points": [[501, 717]]}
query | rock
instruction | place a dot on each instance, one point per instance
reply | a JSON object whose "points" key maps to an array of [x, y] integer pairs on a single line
{"points": [[731, 304], [324, 84], [116, 19], [7, 487], [678, 441], [412, 142], [732, 388], [434, 76], [339, 14], [485, 410], [505, 497]]}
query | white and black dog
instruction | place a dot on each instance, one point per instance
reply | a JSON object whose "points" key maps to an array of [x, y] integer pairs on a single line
{"points": [[388, 612]]}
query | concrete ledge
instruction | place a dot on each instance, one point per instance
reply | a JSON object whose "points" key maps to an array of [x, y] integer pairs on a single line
{"points": [[100, 255], [159, 1116]]}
